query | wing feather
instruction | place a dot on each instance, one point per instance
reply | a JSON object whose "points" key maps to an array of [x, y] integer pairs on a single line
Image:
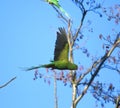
{"points": [[61, 46]]}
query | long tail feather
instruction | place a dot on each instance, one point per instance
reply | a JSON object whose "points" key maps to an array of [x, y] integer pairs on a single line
{"points": [[33, 67], [62, 10], [51, 65]]}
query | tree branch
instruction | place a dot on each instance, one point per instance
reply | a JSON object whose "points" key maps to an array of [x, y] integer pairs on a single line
{"points": [[102, 60], [8, 82], [80, 26], [112, 68], [55, 91], [118, 102]]}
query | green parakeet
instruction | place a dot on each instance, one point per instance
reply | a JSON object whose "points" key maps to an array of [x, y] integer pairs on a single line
{"points": [[61, 51], [55, 3]]}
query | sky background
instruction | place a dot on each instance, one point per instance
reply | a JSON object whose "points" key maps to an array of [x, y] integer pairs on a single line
{"points": [[27, 37]]}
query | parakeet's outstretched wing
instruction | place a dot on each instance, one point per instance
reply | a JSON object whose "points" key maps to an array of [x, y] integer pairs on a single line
{"points": [[61, 51], [61, 46]]}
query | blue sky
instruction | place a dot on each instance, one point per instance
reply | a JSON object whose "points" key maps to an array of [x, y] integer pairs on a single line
{"points": [[27, 38]]}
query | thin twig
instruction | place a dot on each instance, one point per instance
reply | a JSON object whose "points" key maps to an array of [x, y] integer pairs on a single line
{"points": [[80, 26], [8, 82], [112, 68]]}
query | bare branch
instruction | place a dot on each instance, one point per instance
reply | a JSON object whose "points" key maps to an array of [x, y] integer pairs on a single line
{"points": [[84, 12], [80, 26], [99, 64], [83, 75], [8, 82], [112, 68], [70, 42], [55, 91], [118, 102]]}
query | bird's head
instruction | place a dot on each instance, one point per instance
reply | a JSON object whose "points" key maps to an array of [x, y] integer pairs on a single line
{"points": [[72, 66]]}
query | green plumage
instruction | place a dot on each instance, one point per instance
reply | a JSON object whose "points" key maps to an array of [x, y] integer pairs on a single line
{"points": [[55, 3], [61, 51], [61, 46]]}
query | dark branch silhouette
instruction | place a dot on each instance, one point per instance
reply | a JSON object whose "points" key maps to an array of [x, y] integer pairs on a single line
{"points": [[8, 82]]}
